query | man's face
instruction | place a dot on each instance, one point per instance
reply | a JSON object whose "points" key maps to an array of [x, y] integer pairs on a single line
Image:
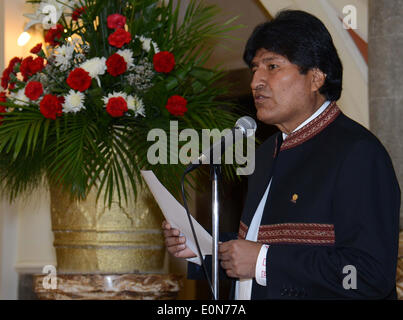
{"points": [[283, 96]]}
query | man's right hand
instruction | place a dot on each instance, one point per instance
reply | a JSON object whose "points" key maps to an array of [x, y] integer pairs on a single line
{"points": [[175, 243]]}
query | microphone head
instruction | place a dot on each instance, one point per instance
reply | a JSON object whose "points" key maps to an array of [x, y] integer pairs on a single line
{"points": [[247, 125]]}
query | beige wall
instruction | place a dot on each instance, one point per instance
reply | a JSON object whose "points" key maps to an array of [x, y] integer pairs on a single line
{"points": [[8, 251], [35, 238], [250, 13], [25, 234], [8, 215]]}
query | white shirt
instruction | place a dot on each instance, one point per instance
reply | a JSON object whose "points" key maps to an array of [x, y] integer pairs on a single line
{"points": [[243, 287]]}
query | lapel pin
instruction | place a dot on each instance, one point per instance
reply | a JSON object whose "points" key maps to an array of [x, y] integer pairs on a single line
{"points": [[294, 198]]}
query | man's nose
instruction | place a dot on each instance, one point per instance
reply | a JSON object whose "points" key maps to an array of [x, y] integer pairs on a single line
{"points": [[258, 81]]}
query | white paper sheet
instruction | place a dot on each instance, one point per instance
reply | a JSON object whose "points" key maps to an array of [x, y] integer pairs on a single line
{"points": [[176, 215]]}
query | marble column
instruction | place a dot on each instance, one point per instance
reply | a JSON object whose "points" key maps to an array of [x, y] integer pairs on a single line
{"points": [[386, 78]]}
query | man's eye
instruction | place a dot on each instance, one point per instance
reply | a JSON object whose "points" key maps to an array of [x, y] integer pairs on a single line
{"points": [[272, 66]]}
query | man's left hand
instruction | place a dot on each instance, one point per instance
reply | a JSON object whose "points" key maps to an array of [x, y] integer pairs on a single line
{"points": [[238, 258]]}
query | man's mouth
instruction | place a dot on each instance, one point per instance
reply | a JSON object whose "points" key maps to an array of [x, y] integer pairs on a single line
{"points": [[259, 98]]}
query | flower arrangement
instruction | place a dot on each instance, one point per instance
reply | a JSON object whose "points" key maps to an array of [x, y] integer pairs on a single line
{"points": [[78, 110]]}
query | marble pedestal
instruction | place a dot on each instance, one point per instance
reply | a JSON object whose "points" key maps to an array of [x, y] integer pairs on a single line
{"points": [[110, 287]]}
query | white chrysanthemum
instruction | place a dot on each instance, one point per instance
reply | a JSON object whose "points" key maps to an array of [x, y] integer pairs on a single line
{"points": [[146, 44], [19, 97], [73, 102], [48, 14], [64, 56], [136, 104], [114, 95], [127, 54], [95, 66]]}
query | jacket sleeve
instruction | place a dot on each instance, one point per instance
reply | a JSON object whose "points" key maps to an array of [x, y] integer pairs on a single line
{"points": [[365, 207]]}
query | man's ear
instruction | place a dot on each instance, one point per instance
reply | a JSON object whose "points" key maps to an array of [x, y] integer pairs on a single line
{"points": [[318, 79]]}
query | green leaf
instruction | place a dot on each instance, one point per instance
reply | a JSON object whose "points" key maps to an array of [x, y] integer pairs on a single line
{"points": [[171, 83]]}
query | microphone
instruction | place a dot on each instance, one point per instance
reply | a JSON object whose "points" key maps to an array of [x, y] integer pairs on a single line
{"points": [[245, 125]]}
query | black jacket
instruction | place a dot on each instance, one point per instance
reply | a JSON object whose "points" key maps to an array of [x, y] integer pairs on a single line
{"points": [[334, 203]]}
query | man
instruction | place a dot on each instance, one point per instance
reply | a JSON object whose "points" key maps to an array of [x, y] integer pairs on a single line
{"points": [[322, 209]]}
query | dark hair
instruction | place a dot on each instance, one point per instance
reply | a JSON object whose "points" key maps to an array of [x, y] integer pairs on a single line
{"points": [[304, 40]]}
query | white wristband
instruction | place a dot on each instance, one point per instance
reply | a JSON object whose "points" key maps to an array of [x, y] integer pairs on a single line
{"points": [[260, 270]]}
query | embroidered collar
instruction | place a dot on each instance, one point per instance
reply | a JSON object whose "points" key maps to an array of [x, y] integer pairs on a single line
{"points": [[312, 128]]}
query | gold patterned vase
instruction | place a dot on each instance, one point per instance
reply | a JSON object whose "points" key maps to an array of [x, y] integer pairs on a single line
{"points": [[91, 238]]}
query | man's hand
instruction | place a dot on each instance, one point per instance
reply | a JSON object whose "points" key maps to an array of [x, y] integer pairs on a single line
{"points": [[176, 245], [238, 258]]}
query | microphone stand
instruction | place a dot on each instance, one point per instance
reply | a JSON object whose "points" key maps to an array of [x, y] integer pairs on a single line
{"points": [[215, 176], [246, 125]]}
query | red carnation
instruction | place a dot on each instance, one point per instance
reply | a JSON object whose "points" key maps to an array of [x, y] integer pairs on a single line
{"points": [[13, 63], [36, 49], [119, 38], [116, 65], [176, 105], [116, 107], [5, 79], [164, 61], [79, 80], [2, 110], [54, 35], [116, 21], [33, 90], [31, 66], [3, 98], [77, 13], [51, 107]]}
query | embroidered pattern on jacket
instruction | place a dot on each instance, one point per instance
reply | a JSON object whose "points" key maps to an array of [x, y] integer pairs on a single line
{"points": [[293, 233], [312, 128]]}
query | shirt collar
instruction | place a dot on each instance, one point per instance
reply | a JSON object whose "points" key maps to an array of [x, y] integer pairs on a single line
{"points": [[313, 116]]}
